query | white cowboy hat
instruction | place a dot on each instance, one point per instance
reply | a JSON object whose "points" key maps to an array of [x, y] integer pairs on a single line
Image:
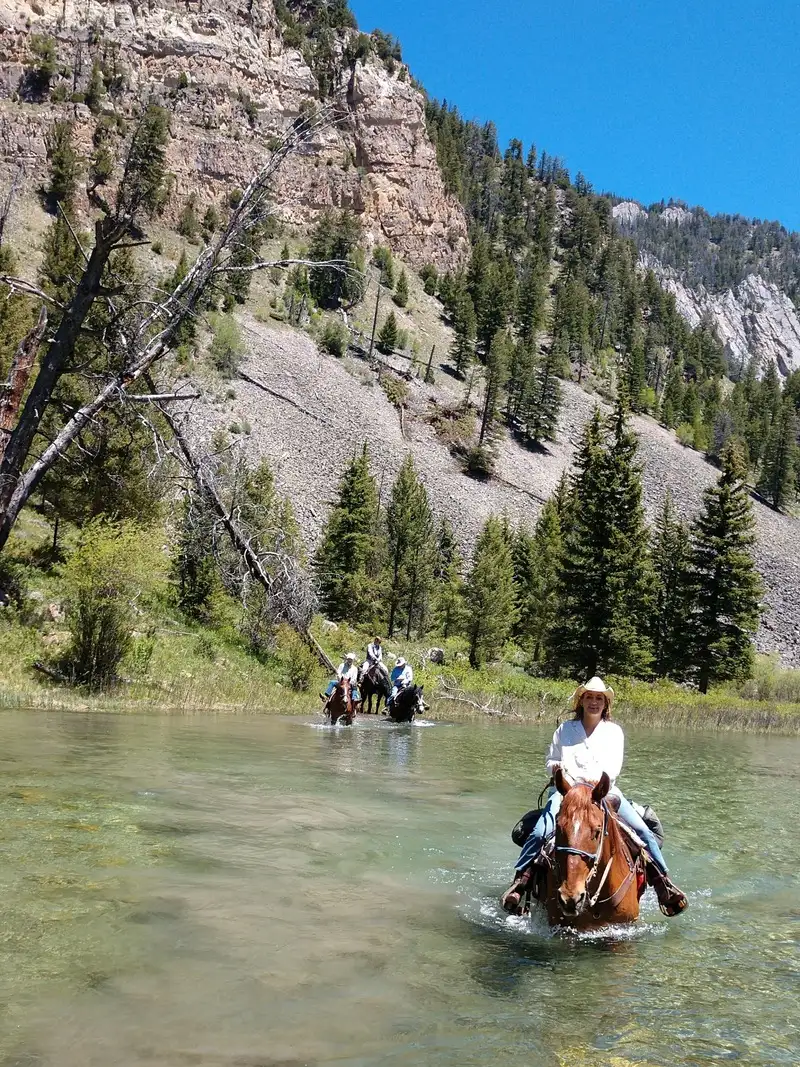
{"points": [[594, 685], [400, 662], [351, 655]]}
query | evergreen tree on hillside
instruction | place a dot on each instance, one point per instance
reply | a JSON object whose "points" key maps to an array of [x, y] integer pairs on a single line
{"points": [[496, 373], [388, 335], [728, 588], [464, 328], [490, 599], [779, 469], [537, 562], [606, 579], [673, 596], [336, 238], [410, 558], [448, 597], [345, 560], [544, 400], [401, 290]]}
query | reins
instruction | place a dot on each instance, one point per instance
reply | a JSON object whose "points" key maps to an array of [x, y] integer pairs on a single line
{"points": [[593, 859]]}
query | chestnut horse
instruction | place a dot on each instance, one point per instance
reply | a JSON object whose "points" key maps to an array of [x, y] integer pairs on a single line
{"points": [[339, 708], [593, 880]]}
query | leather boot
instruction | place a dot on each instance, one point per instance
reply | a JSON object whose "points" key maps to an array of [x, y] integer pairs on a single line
{"points": [[511, 900], [670, 899]]}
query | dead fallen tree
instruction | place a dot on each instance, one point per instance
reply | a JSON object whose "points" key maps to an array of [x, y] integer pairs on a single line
{"points": [[507, 708]]}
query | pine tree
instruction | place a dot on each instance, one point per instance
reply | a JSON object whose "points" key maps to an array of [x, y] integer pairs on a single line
{"points": [[464, 327], [548, 550], [401, 291], [728, 606], [345, 560], [605, 582], [448, 597], [673, 596], [388, 335], [410, 550], [490, 594], [337, 237], [64, 163], [544, 401], [497, 362], [779, 468]]}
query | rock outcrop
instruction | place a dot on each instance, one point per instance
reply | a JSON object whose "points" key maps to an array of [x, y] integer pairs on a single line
{"points": [[754, 319], [232, 87]]}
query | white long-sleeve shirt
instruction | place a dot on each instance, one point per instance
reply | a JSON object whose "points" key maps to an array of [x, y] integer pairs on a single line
{"points": [[375, 653], [582, 758], [348, 671]]}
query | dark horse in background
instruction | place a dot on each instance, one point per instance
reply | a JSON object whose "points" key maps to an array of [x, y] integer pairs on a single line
{"points": [[408, 703], [374, 683], [339, 706]]}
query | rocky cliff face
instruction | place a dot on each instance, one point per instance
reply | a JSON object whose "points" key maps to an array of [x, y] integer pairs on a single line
{"points": [[753, 318], [232, 86]]}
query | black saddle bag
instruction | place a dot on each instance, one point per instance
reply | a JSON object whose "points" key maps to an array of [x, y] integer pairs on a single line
{"points": [[522, 831]]}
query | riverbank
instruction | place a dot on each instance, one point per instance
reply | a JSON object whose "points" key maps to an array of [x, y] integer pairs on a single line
{"points": [[180, 668]]}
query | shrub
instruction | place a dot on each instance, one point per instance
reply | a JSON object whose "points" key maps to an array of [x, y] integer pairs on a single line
{"points": [[334, 338], [110, 569], [401, 293], [227, 345], [382, 258], [685, 434], [188, 223], [480, 462], [296, 658], [396, 390]]}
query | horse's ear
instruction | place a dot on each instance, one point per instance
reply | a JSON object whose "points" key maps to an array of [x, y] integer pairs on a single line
{"points": [[561, 783], [602, 788]]}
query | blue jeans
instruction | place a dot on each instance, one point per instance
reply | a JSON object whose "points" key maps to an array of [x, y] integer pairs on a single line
{"points": [[547, 826]]}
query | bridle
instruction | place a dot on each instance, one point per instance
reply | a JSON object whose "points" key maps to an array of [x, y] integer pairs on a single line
{"points": [[593, 859]]}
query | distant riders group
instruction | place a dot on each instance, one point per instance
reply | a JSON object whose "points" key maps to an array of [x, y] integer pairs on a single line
{"points": [[401, 677]]}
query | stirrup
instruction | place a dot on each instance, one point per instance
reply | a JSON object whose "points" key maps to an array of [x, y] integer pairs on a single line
{"points": [[511, 900], [671, 900]]}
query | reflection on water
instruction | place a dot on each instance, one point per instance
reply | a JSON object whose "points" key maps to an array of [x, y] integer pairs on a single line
{"points": [[258, 892]]}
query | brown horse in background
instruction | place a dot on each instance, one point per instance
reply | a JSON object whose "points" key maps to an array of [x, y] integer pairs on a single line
{"points": [[593, 880], [339, 708]]}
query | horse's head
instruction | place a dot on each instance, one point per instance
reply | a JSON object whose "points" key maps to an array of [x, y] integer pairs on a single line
{"points": [[579, 840]]}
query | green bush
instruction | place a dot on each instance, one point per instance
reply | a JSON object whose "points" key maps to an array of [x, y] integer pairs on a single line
{"points": [[685, 434], [227, 345], [334, 338], [396, 390], [296, 658], [114, 565], [480, 462]]}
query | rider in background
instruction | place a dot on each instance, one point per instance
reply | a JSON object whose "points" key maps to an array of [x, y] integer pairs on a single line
{"points": [[402, 677], [346, 669], [374, 655], [584, 747]]}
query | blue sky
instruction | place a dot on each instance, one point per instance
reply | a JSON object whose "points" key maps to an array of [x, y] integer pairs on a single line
{"points": [[697, 101]]}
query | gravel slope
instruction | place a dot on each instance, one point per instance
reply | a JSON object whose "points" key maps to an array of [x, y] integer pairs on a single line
{"points": [[343, 406]]}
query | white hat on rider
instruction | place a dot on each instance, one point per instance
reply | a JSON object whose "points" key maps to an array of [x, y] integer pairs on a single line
{"points": [[400, 662], [352, 656], [594, 685]]}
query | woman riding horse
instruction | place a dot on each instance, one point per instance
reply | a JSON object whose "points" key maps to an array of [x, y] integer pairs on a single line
{"points": [[583, 749]]}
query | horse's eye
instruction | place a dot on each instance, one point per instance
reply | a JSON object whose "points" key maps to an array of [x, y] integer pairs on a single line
{"points": [[596, 835]]}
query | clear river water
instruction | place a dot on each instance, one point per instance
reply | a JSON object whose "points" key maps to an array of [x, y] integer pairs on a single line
{"points": [[261, 892]]}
